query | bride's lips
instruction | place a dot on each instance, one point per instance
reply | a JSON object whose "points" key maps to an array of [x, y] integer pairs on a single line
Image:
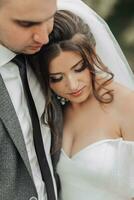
{"points": [[77, 92]]}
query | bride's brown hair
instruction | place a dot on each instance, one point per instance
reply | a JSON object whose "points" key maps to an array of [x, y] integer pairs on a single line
{"points": [[70, 33]]}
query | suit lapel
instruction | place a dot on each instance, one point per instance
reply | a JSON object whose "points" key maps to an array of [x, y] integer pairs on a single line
{"points": [[11, 122]]}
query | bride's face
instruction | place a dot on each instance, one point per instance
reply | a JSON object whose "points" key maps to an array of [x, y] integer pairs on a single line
{"points": [[69, 78]]}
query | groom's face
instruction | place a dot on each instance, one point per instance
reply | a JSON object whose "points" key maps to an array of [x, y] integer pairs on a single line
{"points": [[26, 25]]}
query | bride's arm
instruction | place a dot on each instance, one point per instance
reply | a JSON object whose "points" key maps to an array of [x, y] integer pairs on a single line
{"points": [[126, 118]]}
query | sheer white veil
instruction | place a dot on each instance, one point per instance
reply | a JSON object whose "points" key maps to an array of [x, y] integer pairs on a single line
{"points": [[106, 45]]}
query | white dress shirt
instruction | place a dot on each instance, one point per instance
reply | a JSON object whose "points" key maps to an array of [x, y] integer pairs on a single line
{"points": [[12, 80]]}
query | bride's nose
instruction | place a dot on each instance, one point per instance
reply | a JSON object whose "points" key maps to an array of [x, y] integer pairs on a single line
{"points": [[73, 83]]}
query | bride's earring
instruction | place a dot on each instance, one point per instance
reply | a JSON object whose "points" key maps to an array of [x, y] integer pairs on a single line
{"points": [[62, 100]]}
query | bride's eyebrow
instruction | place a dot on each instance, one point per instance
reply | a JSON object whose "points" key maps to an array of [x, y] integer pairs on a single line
{"points": [[75, 65]]}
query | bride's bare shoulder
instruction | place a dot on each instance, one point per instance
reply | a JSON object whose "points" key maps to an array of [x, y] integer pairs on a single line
{"points": [[122, 93], [123, 98], [124, 103]]}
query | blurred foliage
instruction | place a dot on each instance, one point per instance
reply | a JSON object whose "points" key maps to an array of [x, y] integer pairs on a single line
{"points": [[119, 14]]}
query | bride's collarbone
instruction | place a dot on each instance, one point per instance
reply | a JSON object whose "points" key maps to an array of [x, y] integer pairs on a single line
{"points": [[83, 130], [77, 144], [76, 139]]}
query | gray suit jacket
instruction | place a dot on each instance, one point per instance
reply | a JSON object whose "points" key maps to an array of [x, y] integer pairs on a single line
{"points": [[16, 182]]}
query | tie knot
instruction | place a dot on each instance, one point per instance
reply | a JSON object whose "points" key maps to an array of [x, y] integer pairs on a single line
{"points": [[20, 60]]}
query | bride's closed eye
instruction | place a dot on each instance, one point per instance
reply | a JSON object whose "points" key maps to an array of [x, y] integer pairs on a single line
{"points": [[55, 78], [80, 67]]}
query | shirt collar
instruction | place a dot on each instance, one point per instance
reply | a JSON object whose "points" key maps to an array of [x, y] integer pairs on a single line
{"points": [[5, 55]]}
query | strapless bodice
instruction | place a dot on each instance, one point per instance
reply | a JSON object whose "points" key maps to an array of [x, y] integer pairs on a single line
{"points": [[101, 171]]}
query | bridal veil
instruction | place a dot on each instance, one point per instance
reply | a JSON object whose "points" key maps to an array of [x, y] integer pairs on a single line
{"points": [[106, 45]]}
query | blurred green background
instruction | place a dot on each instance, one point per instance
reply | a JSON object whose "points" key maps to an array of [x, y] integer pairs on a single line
{"points": [[119, 14]]}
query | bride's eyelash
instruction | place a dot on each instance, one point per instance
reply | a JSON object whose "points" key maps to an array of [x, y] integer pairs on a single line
{"points": [[80, 68], [54, 79]]}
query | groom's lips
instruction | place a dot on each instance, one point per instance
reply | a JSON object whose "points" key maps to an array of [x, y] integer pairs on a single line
{"points": [[36, 47]]}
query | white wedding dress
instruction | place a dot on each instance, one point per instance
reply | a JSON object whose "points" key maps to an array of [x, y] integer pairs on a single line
{"points": [[101, 171]]}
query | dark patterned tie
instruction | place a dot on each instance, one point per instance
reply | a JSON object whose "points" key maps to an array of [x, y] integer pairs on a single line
{"points": [[20, 60]]}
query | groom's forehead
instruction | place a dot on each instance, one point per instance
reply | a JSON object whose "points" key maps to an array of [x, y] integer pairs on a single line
{"points": [[46, 3], [30, 10], [3, 2]]}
